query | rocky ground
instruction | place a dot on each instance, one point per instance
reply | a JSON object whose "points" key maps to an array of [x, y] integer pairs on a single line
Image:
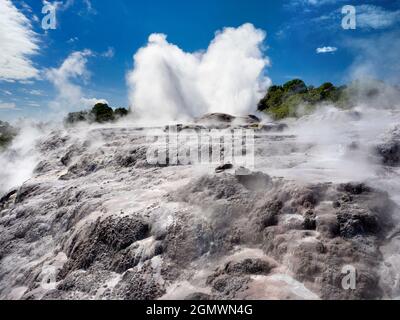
{"points": [[97, 221]]}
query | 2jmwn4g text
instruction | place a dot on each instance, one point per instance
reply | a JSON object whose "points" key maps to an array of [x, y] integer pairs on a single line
{"points": [[200, 310]]}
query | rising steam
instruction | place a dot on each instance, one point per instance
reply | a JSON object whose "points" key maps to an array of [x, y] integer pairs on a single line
{"points": [[168, 83], [20, 159]]}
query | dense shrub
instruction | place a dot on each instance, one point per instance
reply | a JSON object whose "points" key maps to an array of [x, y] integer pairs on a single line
{"points": [[120, 112], [295, 86], [7, 134], [284, 101], [80, 116], [100, 113]]}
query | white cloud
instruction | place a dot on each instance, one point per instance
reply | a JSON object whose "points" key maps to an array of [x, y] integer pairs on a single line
{"points": [[70, 96], [18, 42], [369, 17], [59, 5], [35, 92], [64, 5], [89, 7], [9, 93], [326, 50], [26, 82], [169, 83], [315, 3], [73, 39], [374, 17], [291, 77], [7, 106], [322, 2], [26, 7], [67, 4], [109, 53], [33, 104]]}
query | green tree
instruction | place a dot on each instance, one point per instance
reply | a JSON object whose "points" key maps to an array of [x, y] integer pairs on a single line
{"points": [[74, 117], [121, 112], [295, 86], [7, 134], [273, 99], [102, 113], [283, 101]]}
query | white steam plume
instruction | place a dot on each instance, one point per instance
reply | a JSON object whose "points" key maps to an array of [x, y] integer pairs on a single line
{"points": [[376, 57], [21, 157], [171, 84]]}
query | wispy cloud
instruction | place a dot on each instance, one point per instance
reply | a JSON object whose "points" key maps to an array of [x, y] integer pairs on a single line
{"points": [[33, 104], [109, 53], [33, 92], [8, 106], [65, 5], [89, 7], [59, 5], [18, 42], [326, 50], [73, 39], [6, 92], [374, 17], [292, 77], [312, 3], [321, 2], [368, 17], [70, 95], [376, 57]]}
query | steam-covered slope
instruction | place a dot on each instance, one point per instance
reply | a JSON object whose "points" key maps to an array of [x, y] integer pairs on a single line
{"points": [[96, 221]]}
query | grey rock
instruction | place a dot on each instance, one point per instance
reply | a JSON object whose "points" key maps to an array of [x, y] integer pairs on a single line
{"points": [[389, 150]]}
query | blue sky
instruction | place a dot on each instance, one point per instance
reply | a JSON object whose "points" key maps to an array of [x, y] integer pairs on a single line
{"points": [[114, 30]]}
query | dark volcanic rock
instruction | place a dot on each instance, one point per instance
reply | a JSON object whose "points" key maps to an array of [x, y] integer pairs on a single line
{"points": [[256, 181], [82, 168], [198, 296], [234, 277], [4, 200], [350, 219], [139, 285], [354, 188], [131, 157], [389, 150], [248, 266], [106, 239], [217, 117], [29, 190], [223, 120], [223, 168], [390, 153], [186, 243], [229, 286], [274, 127]]}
